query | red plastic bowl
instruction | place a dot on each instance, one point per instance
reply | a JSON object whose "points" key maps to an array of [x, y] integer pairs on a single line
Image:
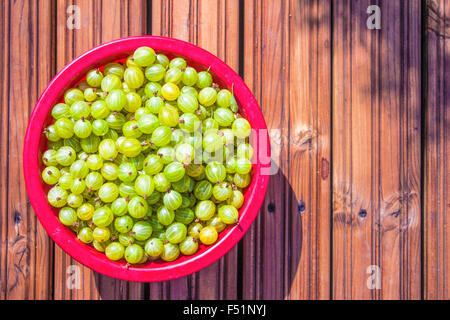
{"points": [[35, 145]]}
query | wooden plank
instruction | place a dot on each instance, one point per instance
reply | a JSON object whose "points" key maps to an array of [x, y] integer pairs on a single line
{"points": [[376, 152], [296, 265], [437, 147], [4, 103], [287, 63], [21, 259], [46, 57], [403, 42], [214, 26], [309, 149], [265, 72], [26, 250], [100, 21], [353, 195], [251, 272]]}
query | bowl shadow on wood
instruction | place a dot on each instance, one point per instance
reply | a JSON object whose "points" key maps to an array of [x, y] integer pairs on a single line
{"points": [[272, 248]]}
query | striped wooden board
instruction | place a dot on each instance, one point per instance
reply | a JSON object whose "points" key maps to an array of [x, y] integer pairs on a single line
{"points": [[287, 65], [437, 169], [376, 152], [357, 206]]}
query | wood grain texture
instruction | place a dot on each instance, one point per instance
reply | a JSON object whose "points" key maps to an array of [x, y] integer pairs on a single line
{"points": [[4, 103], [265, 72], [25, 253], [376, 151], [46, 57], [214, 26], [100, 21], [309, 149], [287, 57], [344, 106], [437, 139], [403, 44]]}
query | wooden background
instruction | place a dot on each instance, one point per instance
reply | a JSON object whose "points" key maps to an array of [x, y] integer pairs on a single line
{"points": [[361, 127]]}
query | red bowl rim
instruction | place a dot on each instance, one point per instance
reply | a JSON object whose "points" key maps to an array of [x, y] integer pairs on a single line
{"points": [[61, 234]]}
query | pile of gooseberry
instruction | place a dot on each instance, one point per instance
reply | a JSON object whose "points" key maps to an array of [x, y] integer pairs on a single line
{"points": [[147, 158]]}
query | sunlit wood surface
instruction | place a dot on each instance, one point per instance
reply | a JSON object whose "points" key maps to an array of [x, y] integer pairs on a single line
{"points": [[360, 127]]}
